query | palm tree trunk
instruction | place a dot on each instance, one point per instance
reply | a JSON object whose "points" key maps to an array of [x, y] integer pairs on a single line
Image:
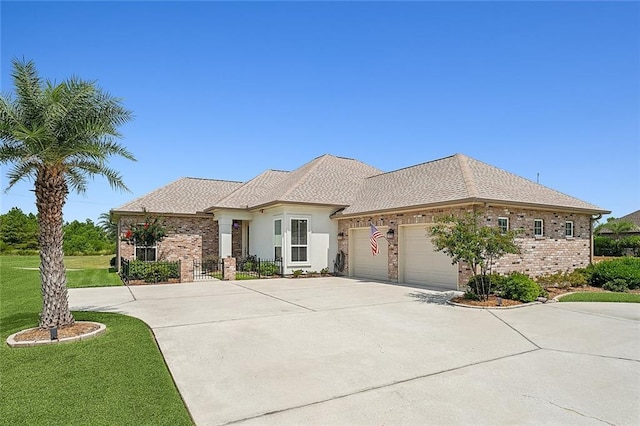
{"points": [[51, 193]]}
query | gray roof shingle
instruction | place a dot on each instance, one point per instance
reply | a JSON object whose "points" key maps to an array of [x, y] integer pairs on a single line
{"points": [[457, 178], [184, 196]]}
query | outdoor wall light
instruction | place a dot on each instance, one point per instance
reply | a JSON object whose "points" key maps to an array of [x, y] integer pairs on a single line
{"points": [[390, 234], [340, 235]]}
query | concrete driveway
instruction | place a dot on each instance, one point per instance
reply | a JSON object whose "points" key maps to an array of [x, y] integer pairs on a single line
{"points": [[337, 351]]}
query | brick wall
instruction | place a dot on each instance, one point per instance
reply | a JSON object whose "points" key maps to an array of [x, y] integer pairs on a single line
{"points": [[188, 238], [551, 253]]}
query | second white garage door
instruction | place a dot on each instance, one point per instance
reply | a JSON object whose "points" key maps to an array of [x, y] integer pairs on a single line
{"points": [[362, 264], [421, 265]]}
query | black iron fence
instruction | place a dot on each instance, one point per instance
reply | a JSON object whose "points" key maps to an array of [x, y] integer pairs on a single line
{"points": [[207, 268], [249, 267], [149, 272]]}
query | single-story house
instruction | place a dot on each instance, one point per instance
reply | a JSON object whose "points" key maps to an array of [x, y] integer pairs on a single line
{"points": [[322, 211], [633, 218]]}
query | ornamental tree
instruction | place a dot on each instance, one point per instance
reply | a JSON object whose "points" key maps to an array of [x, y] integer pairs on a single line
{"points": [[463, 239], [147, 233]]}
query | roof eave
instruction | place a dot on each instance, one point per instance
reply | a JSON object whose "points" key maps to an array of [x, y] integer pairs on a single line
{"points": [[473, 202]]}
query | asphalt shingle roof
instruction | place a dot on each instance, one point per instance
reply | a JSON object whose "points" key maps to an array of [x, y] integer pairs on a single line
{"points": [[184, 196], [358, 187], [249, 193], [631, 217], [453, 179], [325, 180]]}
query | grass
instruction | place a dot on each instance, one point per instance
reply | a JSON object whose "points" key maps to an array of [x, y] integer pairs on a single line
{"points": [[117, 378], [601, 297]]}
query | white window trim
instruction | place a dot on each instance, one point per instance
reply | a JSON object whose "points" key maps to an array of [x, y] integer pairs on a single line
{"points": [[154, 247], [572, 229], [291, 245], [541, 234], [281, 236], [499, 227]]}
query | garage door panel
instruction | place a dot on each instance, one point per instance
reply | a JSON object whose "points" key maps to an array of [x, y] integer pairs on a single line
{"points": [[362, 263], [422, 265]]}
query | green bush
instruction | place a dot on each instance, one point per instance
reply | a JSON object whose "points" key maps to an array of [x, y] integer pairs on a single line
{"points": [[269, 268], [576, 278], [624, 268], [153, 272], [617, 284], [520, 287], [495, 280]]}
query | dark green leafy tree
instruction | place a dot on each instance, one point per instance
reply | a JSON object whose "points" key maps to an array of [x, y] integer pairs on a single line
{"points": [[58, 136], [463, 239], [86, 238], [18, 230]]}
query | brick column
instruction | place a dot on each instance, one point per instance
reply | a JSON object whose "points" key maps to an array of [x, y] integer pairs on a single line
{"points": [[229, 268], [186, 270]]}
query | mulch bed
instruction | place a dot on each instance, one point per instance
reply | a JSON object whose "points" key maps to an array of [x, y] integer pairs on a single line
{"points": [[491, 302], [38, 334]]}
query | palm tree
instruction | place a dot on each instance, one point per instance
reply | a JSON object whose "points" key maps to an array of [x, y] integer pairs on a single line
{"points": [[110, 228], [58, 136]]}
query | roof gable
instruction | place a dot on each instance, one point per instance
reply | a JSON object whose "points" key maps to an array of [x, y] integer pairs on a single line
{"points": [[184, 196]]}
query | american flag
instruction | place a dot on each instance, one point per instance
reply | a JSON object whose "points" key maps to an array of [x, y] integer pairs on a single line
{"points": [[375, 234]]}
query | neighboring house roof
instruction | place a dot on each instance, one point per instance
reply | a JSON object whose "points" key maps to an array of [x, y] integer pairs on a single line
{"points": [[631, 217], [325, 180], [249, 193], [184, 196], [457, 178]]}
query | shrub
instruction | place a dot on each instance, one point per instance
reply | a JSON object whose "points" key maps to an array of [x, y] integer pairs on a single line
{"points": [[576, 278], [153, 272], [297, 273], [269, 268], [520, 287], [496, 281], [617, 284], [324, 271], [624, 268]]}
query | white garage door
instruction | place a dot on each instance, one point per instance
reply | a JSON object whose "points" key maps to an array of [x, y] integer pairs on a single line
{"points": [[363, 264], [422, 265]]}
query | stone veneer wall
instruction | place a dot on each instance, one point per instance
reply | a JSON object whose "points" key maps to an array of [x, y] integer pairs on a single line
{"points": [[551, 253]]}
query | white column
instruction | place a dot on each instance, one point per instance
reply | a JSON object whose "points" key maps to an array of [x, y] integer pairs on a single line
{"points": [[224, 236]]}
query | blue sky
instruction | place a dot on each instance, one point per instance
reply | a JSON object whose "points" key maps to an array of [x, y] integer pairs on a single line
{"points": [[227, 90]]}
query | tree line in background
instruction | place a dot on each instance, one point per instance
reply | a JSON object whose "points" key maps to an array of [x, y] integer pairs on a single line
{"points": [[19, 235], [617, 241]]}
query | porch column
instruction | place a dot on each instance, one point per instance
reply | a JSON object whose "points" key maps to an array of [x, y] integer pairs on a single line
{"points": [[224, 237]]}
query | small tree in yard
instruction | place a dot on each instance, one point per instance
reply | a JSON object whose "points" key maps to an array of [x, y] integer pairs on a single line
{"points": [[145, 234], [463, 239]]}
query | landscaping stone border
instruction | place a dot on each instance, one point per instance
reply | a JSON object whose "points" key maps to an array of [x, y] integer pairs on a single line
{"points": [[493, 307], [28, 343]]}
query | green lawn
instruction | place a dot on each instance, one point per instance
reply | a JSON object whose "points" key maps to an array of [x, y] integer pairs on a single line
{"points": [[117, 378], [601, 297]]}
